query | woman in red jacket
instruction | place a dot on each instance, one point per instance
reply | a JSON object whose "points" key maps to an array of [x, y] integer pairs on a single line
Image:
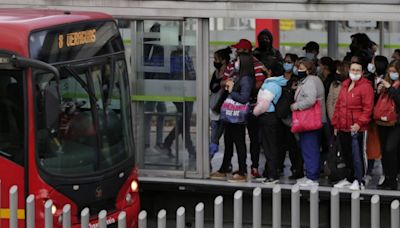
{"points": [[351, 116]]}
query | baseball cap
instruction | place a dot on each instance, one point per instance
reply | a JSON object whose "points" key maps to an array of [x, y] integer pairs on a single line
{"points": [[312, 45], [243, 44]]}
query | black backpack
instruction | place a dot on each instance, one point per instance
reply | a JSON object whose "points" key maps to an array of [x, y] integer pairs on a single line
{"points": [[282, 107], [335, 165]]}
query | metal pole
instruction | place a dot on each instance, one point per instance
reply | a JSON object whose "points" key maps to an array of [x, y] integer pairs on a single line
{"points": [[375, 211], [85, 218], [143, 219], [314, 211], [276, 207], [122, 220], [48, 216], [394, 214], [237, 209], [218, 212], [66, 216], [199, 216], [295, 206], [162, 219], [335, 208], [180, 217], [102, 219], [30, 211], [355, 210], [333, 39], [13, 206], [257, 207]]}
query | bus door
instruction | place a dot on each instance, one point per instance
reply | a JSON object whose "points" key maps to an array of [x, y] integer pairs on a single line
{"points": [[13, 140]]}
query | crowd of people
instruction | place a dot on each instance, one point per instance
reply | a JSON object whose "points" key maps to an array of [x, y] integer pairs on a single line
{"points": [[332, 116]]}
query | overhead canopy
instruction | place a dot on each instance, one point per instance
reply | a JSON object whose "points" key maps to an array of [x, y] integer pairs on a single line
{"points": [[379, 10]]}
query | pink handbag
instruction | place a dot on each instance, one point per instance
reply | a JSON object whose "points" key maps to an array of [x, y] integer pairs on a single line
{"points": [[307, 120]]}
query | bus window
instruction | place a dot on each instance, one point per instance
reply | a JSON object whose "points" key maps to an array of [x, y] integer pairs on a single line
{"points": [[11, 116]]}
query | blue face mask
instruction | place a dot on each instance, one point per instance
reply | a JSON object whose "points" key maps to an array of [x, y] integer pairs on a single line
{"points": [[394, 76], [288, 67]]}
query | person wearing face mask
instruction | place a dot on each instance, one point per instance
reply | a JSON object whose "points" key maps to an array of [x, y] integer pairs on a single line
{"points": [[389, 132], [221, 59], [350, 120], [310, 90], [311, 51], [260, 73], [265, 51], [341, 74]]}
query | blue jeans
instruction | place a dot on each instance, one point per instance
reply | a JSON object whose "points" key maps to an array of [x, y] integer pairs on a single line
{"points": [[310, 143], [217, 129]]}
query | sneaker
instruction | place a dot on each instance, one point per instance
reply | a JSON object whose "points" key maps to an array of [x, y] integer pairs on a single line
{"points": [[355, 186], [342, 184], [237, 178], [255, 174], [301, 180], [271, 181], [218, 176], [308, 183]]}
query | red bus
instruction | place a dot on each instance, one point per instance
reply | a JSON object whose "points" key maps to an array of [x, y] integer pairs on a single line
{"points": [[65, 116]]}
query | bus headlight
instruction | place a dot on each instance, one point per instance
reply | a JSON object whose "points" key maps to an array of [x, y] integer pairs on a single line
{"points": [[53, 209], [134, 186]]}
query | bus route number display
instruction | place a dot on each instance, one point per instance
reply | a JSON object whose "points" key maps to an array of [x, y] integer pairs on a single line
{"points": [[77, 38]]}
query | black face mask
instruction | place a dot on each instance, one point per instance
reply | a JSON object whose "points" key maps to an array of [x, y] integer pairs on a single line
{"points": [[301, 74], [338, 77], [217, 65]]}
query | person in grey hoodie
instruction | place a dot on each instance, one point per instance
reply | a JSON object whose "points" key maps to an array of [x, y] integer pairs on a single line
{"points": [[270, 124], [310, 89]]}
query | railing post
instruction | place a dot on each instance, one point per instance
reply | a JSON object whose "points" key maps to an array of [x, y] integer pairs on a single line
{"points": [[394, 214], [314, 211], [355, 210], [257, 207], [66, 216], [335, 208], [375, 212], [143, 219], [48, 215], [122, 220], [199, 219], [180, 217], [85, 218], [237, 209], [102, 219], [162, 219], [14, 207], [295, 206], [276, 207], [218, 212], [30, 211]]}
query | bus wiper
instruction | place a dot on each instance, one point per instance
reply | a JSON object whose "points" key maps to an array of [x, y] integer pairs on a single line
{"points": [[81, 82]]}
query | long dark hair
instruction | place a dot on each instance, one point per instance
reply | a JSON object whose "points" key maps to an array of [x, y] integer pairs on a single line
{"points": [[246, 65], [224, 54]]}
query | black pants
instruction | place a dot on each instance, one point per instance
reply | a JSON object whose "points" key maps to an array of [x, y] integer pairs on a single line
{"points": [[234, 134], [390, 139], [253, 130], [345, 139], [288, 142], [269, 127], [185, 108]]}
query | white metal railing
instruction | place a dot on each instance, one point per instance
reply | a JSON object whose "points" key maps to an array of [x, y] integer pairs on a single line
{"points": [[218, 211]]}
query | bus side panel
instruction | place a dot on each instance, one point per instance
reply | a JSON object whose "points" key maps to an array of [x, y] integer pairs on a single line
{"points": [[11, 174]]}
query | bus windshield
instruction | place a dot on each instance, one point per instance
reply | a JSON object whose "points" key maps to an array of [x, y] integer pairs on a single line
{"points": [[83, 121]]}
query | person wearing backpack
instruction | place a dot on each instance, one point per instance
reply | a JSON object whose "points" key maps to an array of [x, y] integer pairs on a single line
{"points": [[270, 124], [287, 140], [387, 118]]}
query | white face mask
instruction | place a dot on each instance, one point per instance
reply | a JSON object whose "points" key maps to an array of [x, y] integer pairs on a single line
{"points": [[371, 68], [354, 77], [237, 66]]}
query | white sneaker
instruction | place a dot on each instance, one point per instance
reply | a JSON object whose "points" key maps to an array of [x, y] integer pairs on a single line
{"points": [[342, 184], [301, 180], [308, 183], [355, 186]]}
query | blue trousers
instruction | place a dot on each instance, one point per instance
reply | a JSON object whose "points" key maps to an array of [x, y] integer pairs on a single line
{"points": [[310, 143]]}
